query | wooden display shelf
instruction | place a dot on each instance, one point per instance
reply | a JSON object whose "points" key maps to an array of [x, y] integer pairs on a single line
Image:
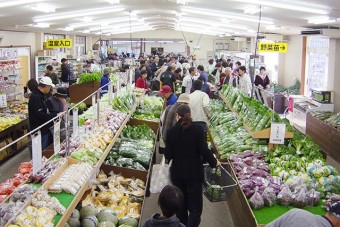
{"points": [[95, 171], [262, 134], [326, 136]]}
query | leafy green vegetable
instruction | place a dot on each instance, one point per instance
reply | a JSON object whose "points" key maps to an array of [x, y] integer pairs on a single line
{"points": [[90, 77]]}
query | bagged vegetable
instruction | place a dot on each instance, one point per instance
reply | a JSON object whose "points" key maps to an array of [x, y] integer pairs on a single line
{"points": [[256, 201], [269, 197], [285, 196], [300, 200], [313, 197]]}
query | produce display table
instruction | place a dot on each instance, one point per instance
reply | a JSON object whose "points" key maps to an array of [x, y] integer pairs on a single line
{"points": [[262, 134], [326, 136], [10, 134]]}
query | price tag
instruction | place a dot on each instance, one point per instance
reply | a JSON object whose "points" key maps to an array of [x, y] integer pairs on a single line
{"points": [[94, 106], [131, 76], [277, 133], [56, 135], [3, 100], [36, 152], [110, 92], [75, 122]]}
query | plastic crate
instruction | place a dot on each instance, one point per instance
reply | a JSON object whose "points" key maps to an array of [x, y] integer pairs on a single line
{"points": [[221, 177]]}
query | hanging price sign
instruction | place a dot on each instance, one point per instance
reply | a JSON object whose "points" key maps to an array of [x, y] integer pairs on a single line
{"points": [[277, 133], [3, 100], [56, 135], [36, 152], [75, 122]]}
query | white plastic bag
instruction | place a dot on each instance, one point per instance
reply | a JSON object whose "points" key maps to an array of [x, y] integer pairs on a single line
{"points": [[160, 176]]}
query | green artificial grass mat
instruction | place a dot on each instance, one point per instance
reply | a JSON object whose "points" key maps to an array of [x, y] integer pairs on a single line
{"points": [[65, 199], [269, 214]]}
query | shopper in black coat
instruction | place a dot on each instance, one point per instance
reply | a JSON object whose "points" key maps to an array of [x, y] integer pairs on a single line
{"points": [[187, 148], [38, 112]]}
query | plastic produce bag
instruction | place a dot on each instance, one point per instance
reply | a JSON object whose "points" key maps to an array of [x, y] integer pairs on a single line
{"points": [[300, 200], [313, 197], [160, 176], [269, 197], [285, 196], [256, 201]]}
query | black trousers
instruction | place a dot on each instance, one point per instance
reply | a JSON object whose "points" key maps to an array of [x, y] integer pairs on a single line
{"points": [[193, 202]]}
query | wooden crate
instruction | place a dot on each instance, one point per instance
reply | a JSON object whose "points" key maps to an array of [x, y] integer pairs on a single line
{"points": [[327, 137], [153, 125], [79, 92]]}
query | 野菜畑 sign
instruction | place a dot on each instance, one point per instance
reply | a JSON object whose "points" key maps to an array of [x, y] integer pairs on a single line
{"points": [[59, 43], [272, 47]]}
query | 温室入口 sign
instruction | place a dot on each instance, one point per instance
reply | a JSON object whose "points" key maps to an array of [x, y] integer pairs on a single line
{"points": [[59, 43]]}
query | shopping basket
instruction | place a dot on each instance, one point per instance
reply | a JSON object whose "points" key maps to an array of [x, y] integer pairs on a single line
{"points": [[218, 184]]}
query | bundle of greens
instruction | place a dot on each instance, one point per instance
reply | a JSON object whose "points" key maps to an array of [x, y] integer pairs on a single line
{"points": [[150, 109], [90, 77], [138, 132], [294, 90], [124, 102]]}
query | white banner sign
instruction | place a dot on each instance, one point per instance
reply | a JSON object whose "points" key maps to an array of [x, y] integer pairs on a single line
{"points": [[277, 133], [3, 100], [75, 122], [56, 136], [36, 152]]}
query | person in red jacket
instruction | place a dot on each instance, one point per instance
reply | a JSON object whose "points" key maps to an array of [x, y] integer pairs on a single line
{"points": [[141, 81]]}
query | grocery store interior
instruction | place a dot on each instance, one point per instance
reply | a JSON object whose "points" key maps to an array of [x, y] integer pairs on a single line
{"points": [[86, 95]]}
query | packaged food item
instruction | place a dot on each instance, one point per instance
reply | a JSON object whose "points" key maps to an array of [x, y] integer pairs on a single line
{"points": [[256, 201], [269, 197], [285, 196]]}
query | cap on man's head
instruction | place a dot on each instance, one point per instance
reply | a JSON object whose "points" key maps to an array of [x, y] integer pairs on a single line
{"points": [[46, 81], [61, 92], [184, 98], [106, 71], [165, 89], [335, 209]]}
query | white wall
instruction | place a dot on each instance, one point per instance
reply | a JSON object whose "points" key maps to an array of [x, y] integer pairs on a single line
{"points": [[333, 71], [291, 62], [20, 39], [206, 42], [168, 47]]}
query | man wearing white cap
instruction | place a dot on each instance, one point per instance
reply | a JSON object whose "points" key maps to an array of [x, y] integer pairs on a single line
{"points": [[38, 112]]}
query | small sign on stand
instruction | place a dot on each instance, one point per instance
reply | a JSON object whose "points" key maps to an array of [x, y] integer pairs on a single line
{"points": [[277, 133], [36, 152], [56, 135], [3, 100], [110, 92], [75, 122]]}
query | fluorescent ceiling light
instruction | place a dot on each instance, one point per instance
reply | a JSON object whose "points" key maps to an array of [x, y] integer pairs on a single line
{"points": [[290, 5], [198, 26], [67, 29], [251, 31], [252, 10], [212, 23], [225, 15], [196, 31], [182, 2], [113, 1], [86, 31], [80, 13], [40, 25], [199, 30], [118, 26], [102, 22], [272, 27], [17, 2], [128, 30], [86, 19], [43, 8], [322, 20]]}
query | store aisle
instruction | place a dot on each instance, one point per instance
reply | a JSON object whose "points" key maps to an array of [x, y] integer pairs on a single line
{"points": [[214, 214], [9, 167]]}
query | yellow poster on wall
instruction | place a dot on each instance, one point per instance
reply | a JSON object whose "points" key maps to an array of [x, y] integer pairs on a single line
{"points": [[59, 43], [272, 47]]}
